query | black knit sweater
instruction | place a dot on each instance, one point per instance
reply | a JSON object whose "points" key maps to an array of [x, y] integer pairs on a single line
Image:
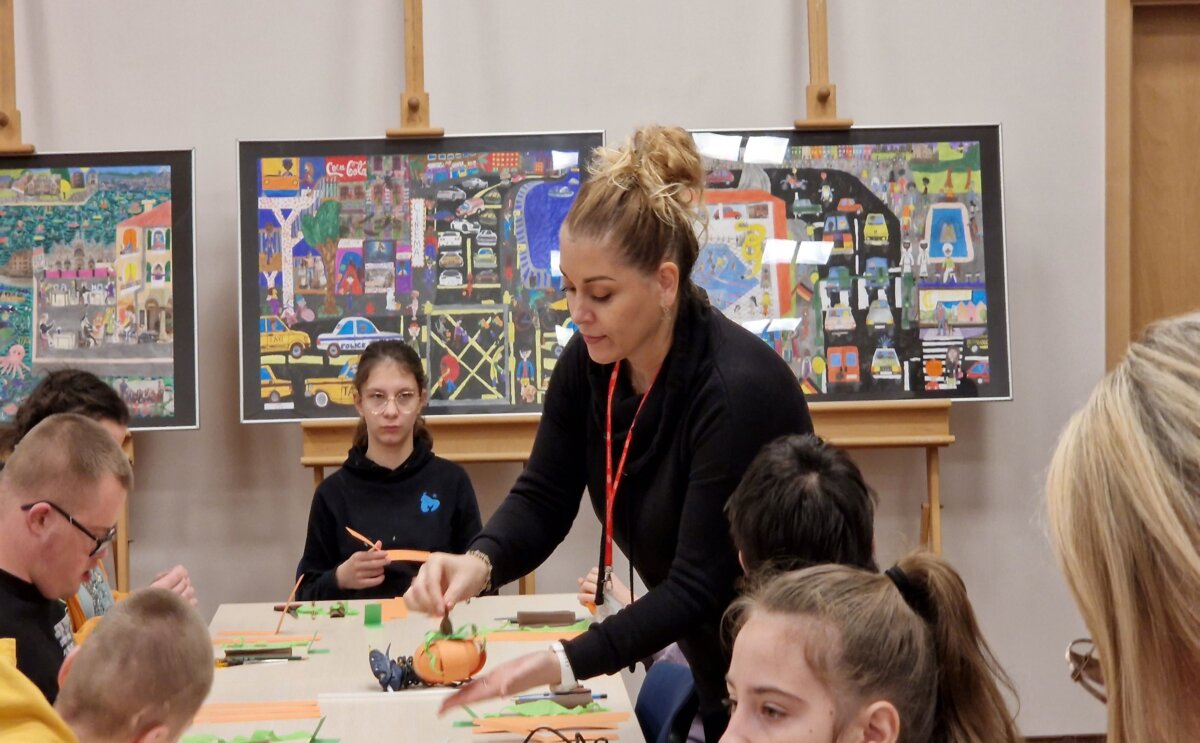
{"points": [[427, 503]]}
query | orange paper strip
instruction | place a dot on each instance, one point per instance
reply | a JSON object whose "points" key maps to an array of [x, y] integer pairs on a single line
{"points": [[506, 636], [393, 609], [407, 555], [515, 724], [291, 596], [365, 540], [256, 712]]}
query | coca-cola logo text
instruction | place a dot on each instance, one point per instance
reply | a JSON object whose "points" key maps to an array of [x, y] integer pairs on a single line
{"points": [[346, 168]]}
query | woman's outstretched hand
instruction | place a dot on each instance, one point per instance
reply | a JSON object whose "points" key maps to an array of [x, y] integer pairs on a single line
{"points": [[443, 581]]}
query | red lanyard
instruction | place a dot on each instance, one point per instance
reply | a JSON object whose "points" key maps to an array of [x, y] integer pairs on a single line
{"points": [[611, 484]]}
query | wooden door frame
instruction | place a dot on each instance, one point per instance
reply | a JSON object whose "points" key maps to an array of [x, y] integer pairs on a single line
{"points": [[1118, 70]]}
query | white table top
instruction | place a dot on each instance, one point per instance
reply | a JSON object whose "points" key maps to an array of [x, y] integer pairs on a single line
{"points": [[349, 697]]}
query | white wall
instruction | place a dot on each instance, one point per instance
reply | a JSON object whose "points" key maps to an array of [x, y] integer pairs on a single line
{"points": [[230, 501]]}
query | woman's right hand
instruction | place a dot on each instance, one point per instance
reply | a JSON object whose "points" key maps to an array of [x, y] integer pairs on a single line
{"points": [[363, 569], [443, 581], [587, 589]]}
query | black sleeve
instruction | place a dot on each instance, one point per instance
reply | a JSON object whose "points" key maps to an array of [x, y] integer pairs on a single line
{"points": [[321, 556], [701, 582], [467, 522], [538, 512]]}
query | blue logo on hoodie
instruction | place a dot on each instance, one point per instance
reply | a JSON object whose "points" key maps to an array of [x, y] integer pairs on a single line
{"points": [[429, 503]]}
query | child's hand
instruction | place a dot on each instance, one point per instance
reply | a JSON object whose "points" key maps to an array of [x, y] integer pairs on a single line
{"points": [[176, 579], [587, 589], [363, 569]]}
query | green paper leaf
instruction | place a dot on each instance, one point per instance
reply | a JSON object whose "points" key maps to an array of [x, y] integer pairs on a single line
{"points": [[545, 707]]}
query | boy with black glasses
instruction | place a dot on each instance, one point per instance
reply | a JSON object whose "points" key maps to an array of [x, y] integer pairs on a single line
{"points": [[61, 492]]}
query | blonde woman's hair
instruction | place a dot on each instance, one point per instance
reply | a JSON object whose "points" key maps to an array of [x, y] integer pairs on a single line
{"points": [[644, 199], [149, 663], [920, 650], [1123, 497]]}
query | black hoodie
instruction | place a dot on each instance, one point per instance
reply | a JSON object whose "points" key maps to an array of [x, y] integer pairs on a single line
{"points": [[720, 396], [427, 503]]}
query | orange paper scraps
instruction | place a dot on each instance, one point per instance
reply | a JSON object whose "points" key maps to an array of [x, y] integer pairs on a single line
{"points": [[524, 725], [407, 555], [517, 636], [257, 711], [393, 609]]}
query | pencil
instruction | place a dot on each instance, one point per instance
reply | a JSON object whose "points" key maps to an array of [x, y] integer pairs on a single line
{"points": [[361, 538], [291, 596]]}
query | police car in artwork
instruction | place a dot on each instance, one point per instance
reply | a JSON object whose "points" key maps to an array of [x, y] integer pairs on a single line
{"points": [[353, 334]]}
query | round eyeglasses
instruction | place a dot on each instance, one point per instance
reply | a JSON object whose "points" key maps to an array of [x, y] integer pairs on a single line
{"points": [[1085, 667], [377, 402], [101, 542]]}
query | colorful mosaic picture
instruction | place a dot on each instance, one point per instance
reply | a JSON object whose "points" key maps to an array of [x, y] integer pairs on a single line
{"points": [[450, 244], [96, 273], [871, 260]]}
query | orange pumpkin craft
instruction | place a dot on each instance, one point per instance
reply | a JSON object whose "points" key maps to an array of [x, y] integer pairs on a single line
{"points": [[447, 659]]}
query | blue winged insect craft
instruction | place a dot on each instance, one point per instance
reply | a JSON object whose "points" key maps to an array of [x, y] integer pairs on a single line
{"points": [[393, 675]]}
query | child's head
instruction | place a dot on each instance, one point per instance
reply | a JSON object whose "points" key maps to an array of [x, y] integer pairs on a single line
{"points": [[802, 502], [835, 653], [70, 391], [390, 389], [142, 674], [1124, 511], [61, 492]]}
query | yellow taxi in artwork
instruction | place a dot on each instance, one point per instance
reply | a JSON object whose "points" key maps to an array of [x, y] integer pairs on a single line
{"points": [[276, 337], [339, 390], [273, 388]]}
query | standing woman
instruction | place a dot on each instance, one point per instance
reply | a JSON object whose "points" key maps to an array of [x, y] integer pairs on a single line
{"points": [[392, 488], [1124, 507], [657, 408]]}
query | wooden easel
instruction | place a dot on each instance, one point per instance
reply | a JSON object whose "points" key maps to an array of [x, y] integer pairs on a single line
{"points": [[414, 104], [900, 424], [120, 545], [11, 144], [10, 117], [463, 439], [820, 96]]}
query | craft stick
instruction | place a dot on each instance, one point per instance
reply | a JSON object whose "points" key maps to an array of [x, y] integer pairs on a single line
{"points": [[291, 596], [361, 538], [275, 639], [258, 633], [408, 555], [523, 636]]}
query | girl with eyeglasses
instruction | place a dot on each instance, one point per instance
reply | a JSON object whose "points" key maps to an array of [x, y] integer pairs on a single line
{"points": [[835, 653], [391, 488]]}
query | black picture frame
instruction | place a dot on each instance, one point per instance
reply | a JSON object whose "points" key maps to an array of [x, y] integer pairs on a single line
{"points": [[879, 322], [479, 304], [138, 287]]}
